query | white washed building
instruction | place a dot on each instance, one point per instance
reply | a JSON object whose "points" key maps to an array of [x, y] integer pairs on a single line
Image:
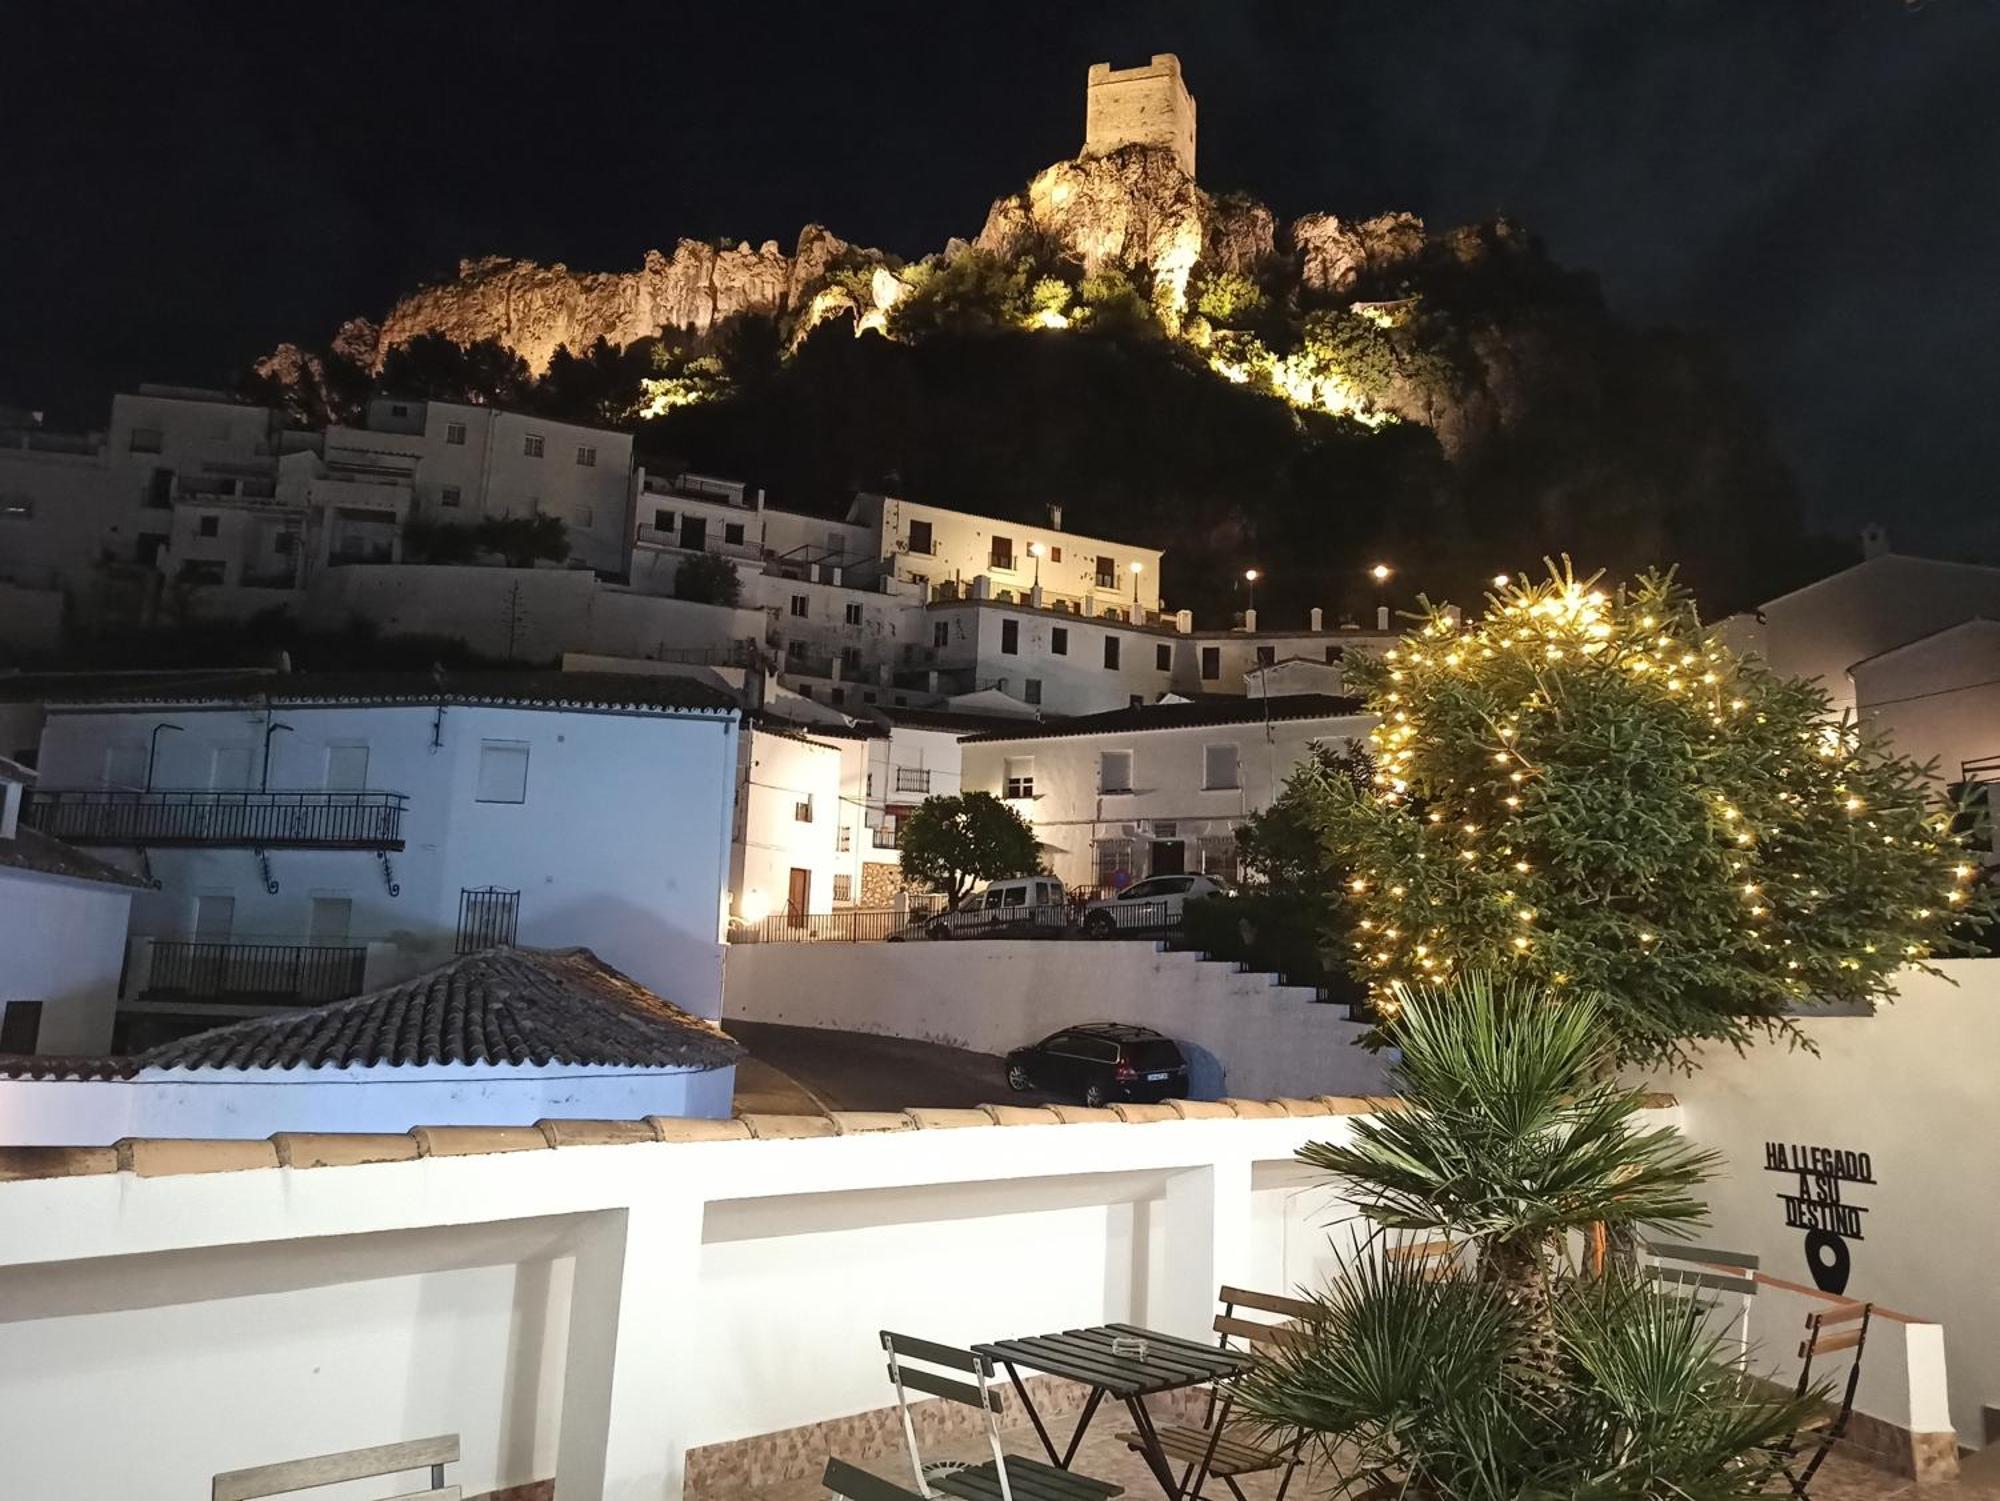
{"points": [[314, 836], [788, 821], [1156, 790], [63, 918]]}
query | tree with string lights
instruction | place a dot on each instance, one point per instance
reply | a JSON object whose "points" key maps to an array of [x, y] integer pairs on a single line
{"points": [[1587, 787]]}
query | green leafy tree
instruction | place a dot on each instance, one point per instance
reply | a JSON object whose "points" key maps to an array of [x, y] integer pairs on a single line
{"points": [[1592, 790], [1229, 298], [429, 541], [1503, 1370], [708, 579], [601, 385], [951, 844], [973, 291], [523, 541], [436, 368]]}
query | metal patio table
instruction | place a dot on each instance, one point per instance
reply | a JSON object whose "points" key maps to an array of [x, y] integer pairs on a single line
{"points": [[1171, 1363]]}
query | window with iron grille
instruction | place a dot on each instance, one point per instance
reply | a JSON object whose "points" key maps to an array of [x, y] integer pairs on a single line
{"points": [[843, 840], [1114, 859], [487, 917], [1217, 855], [843, 888], [913, 779]]}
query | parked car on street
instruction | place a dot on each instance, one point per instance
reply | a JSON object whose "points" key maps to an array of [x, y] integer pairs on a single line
{"points": [[1101, 1061], [1153, 903], [1022, 904]]}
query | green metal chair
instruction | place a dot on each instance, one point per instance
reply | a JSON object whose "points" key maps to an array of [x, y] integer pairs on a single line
{"points": [[914, 1367], [1709, 1279], [844, 1480]]}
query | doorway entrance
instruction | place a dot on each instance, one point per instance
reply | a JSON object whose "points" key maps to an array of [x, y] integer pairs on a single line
{"points": [[1169, 857], [798, 898]]}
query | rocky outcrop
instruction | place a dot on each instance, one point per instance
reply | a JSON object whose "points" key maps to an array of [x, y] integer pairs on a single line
{"points": [[1338, 256], [535, 309]]}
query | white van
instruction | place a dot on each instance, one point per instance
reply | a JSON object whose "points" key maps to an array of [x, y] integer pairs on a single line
{"points": [[1021, 903]]}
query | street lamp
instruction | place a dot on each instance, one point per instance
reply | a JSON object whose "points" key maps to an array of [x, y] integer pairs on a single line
{"points": [[1035, 551], [1381, 573], [153, 750], [1250, 583], [1502, 580]]}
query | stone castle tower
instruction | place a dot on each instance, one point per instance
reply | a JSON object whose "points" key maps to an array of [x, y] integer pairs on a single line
{"points": [[1146, 106]]}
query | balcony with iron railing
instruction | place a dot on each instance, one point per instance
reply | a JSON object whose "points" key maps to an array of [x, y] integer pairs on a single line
{"points": [[913, 779], [887, 836], [261, 820], [251, 973]]}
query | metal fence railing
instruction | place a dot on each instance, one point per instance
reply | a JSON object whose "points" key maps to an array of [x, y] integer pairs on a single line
{"points": [[882, 924], [293, 973], [266, 820], [487, 918]]}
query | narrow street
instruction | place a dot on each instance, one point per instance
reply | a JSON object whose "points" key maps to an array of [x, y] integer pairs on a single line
{"points": [[801, 1070]]}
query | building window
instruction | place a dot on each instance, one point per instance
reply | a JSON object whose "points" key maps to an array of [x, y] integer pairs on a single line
{"points": [[1211, 663], [1135, 701], [449, 496], [802, 811], [663, 521], [1002, 555], [20, 1026], [920, 537], [1031, 690], [1020, 772], [1333, 654], [850, 660], [1163, 657], [854, 614], [1114, 862], [586, 456], [843, 840], [531, 445], [732, 533], [17, 508], [1010, 638], [1216, 855], [941, 633], [1107, 573], [1266, 655], [1114, 771], [799, 603], [1219, 769], [208, 526], [1055, 554], [146, 440], [454, 434], [1111, 652], [843, 885], [503, 772], [399, 409], [836, 695], [1059, 641], [488, 916]]}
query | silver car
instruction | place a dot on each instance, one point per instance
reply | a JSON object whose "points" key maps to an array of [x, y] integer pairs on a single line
{"points": [[1155, 902]]}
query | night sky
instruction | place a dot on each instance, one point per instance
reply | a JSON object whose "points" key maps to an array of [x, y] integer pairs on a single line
{"points": [[1816, 183]]}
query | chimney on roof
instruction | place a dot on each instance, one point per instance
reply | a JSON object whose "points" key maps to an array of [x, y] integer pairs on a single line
{"points": [[1055, 517], [1318, 618], [1381, 617], [1874, 540]]}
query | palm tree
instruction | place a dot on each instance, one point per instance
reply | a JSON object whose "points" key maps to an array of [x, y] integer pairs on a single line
{"points": [[1506, 1373]]}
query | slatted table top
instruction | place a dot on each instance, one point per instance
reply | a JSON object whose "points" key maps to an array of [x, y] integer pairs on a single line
{"points": [[1085, 1355]]}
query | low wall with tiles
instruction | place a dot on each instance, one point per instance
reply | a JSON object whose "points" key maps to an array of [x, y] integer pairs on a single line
{"points": [[1244, 1033], [624, 1308]]}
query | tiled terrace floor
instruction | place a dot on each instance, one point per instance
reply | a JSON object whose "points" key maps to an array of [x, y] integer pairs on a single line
{"points": [[1103, 1457]]}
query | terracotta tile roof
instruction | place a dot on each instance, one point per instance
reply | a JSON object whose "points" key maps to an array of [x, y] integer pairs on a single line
{"points": [[62, 1066], [501, 1005], [1185, 716], [596, 690], [32, 850], [953, 719], [163, 1157]]}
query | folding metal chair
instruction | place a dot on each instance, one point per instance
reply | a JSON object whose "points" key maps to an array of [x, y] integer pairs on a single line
{"points": [[1212, 1449], [1817, 1436], [1708, 1278], [912, 1364], [844, 1480]]}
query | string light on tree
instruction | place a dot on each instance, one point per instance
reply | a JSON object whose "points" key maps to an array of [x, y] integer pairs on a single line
{"points": [[1694, 836]]}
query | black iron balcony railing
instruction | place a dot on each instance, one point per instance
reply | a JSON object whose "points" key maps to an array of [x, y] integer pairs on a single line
{"points": [[297, 974], [913, 779], [262, 820]]}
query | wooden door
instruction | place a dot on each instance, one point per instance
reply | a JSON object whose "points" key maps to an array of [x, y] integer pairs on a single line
{"points": [[798, 898]]}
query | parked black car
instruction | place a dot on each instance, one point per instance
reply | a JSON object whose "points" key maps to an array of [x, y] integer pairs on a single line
{"points": [[1101, 1061]]}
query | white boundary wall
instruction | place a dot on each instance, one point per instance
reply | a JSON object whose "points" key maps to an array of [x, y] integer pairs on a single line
{"points": [[1244, 1033], [593, 1312], [1913, 1087]]}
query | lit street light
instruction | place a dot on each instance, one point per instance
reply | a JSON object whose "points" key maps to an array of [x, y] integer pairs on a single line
{"points": [[1502, 580], [1035, 551], [1250, 585]]}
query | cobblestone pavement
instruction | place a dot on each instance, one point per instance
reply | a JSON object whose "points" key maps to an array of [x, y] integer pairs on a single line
{"points": [[1104, 1458]]}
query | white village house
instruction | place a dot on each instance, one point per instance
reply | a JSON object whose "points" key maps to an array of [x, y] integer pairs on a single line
{"points": [[312, 837], [63, 917], [1156, 790]]}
